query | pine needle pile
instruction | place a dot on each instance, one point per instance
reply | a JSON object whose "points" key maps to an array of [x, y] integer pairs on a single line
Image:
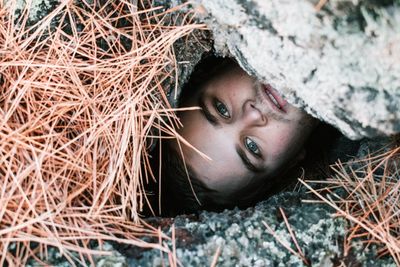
{"points": [[366, 192], [81, 92]]}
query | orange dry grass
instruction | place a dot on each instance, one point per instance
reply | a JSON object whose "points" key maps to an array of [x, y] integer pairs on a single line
{"points": [[371, 200], [80, 92]]}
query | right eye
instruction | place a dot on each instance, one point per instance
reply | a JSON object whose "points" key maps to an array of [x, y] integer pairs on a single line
{"points": [[252, 147], [222, 109]]}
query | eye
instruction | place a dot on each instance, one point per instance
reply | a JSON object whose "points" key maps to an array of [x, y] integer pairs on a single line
{"points": [[252, 147], [222, 109]]}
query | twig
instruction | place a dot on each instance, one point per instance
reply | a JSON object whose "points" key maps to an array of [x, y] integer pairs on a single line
{"points": [[216, 256]]}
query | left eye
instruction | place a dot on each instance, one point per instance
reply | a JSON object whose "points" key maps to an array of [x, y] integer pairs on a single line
{"points": [[252, 147], [222, 109]]}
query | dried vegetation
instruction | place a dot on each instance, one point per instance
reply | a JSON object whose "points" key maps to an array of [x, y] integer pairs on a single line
{"points": [[366, 192], [81, 92]]}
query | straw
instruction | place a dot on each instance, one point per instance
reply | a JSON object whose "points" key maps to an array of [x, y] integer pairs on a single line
{"points": [[370, 200], [81, 92]]}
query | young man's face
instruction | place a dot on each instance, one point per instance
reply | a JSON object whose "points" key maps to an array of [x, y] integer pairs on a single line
{"points": [[246, 128]]}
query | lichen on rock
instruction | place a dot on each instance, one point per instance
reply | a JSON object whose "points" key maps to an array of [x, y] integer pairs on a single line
{"points": [[244, 240], [339, 63]]}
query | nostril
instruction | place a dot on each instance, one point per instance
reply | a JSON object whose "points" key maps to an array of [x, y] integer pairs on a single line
{"points": [[265, 119], [253, 113]]}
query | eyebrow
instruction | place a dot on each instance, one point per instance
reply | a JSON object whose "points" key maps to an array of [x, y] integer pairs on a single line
{"points": [[207, 114], [246, 161]]}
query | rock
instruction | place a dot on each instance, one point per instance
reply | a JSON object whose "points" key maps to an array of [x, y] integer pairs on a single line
{"points": [[244, 240], [341, 63], [37, 9]]}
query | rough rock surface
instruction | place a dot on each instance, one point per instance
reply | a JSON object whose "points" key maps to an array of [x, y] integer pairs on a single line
{"points": [[243, 239], [340, 63]]}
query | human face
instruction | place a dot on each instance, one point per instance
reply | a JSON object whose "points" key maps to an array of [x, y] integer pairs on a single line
{"points": [[247, 129]]}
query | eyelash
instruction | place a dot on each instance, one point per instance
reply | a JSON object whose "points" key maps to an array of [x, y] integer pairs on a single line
{"points": [[255, 151], [218, 106]]}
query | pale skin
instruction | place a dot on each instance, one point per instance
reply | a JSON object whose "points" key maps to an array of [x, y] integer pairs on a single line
{"points": [[247, 130]]}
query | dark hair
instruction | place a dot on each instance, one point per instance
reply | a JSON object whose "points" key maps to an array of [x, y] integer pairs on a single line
{"points": [[182, 191], [209, 68]]}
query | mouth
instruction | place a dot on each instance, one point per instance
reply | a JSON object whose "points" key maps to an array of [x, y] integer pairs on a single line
{"points": [[274, 98]]}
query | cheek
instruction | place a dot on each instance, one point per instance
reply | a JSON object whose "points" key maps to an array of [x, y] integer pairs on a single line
{"points": [[192, 124], [281, 141]]}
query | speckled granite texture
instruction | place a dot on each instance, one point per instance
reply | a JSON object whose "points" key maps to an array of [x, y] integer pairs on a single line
{"points": [[341, 63], [245, 241]]}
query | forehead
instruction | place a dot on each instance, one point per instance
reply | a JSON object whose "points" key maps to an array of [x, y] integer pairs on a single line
{"points": [[234, 77]]}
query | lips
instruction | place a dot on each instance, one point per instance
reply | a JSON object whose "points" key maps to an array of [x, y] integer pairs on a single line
{"points": [[276, 100]]}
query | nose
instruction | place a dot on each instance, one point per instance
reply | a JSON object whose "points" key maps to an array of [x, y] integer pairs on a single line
{"points": [[252, 116]]}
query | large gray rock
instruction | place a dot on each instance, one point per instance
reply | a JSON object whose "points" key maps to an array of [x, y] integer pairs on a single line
{"points": [[244, 240], [341, 64]]}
